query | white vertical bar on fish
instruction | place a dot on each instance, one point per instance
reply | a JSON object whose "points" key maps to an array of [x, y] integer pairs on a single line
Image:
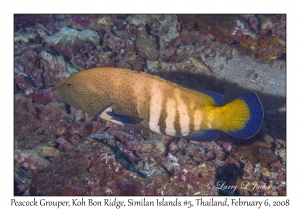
{"points": [[171, 113], [155, 109], [197, 120], [209, 121], [184, 118]]}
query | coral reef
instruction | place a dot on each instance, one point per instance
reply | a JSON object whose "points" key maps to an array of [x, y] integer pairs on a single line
{"points": [[67, 34], [263, 34], [92, 168], [256, 152], [146, 45], [59, 150]]}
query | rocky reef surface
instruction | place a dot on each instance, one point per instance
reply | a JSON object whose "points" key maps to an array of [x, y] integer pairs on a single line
{"points": [[59, 150]]}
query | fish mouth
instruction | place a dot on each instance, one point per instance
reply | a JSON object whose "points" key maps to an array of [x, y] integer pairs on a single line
{"points": [[56, 94]]}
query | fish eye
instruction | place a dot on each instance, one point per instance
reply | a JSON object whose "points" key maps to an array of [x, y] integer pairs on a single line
{"points": [[68, 84]]}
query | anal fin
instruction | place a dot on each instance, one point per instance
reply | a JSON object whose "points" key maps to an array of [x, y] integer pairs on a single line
{"points": [[205, 135]]}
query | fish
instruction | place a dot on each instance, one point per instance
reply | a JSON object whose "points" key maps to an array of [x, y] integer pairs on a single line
{"points": [[143, 101]]}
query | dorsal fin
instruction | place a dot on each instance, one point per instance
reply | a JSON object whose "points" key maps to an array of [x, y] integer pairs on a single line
{"points": [[218, 98]]}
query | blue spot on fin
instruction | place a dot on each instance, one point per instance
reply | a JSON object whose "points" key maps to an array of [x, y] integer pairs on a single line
{"points": [[205, 135], [125, 119], [218, 98], [256, 117]]}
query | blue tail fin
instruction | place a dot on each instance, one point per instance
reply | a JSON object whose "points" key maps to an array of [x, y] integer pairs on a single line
{"points": [[256, 117]]}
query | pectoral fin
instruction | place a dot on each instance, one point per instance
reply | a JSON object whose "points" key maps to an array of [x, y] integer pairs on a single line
{"points": [[109, 115]]}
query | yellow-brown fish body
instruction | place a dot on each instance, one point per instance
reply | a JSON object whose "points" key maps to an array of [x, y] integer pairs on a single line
{"points": [[137, 99]]}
